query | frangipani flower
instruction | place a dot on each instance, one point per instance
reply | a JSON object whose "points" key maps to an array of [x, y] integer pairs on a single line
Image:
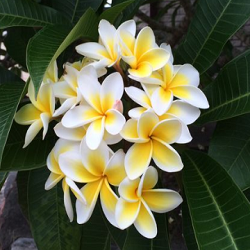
{"points": [[51, 74], [170, 81], [68, 88], [57, 175], [142, 53], [151, 138], [107, 50], [137, 200], [98, 170], [38, 113], [100, 113], [185, 112]]}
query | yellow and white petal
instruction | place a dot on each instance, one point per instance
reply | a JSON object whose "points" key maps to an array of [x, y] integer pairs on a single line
{"points": [[146, 123], [76, 191], [167, 73], [95, 133], [167, 47], [45, 118], [71, 76], [165, 157], [145, 222], [52, 180], [31, 94], [185, 134], [67, 201], [128, 189], [27, 114], [135, 113], [93, 50], [129, 26], [161, 100], [32, 131], [52, 164], [126, 212], [107, 34], [72, 134], [115, 170], [129, 132], [187, 75], [65, 106], [191, 95], [161, 200], [154, 79], [91, 192], [111, 139], [71, 165], [144, 42], [184, 111], [51, 73], [144, 69], [149, 89], [108, 202], [127, 43], [90, 89], [63, 146], [63, 90], [95, 161], [114, 121], [156, 57], [46, 98], [135, 166], [138, 96], [79, 116], [111, 91], [148, 180], [168, 130]]}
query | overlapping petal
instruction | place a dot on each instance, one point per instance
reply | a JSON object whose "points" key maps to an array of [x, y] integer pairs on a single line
{"points": [[27, 114], [114, 121], [128, 189]]}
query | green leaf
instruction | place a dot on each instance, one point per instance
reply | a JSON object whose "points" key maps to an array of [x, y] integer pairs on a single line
{"points": [[3, 176], [74, 9], [135, 241], [15, 157], [230, 146], [130, 11], [95, 235], [188, 230], [6, 76], [50, 225], [228, 95], [219, 211], [213, 24], [10, 96], [27, 13], [16, 43], [114, 12], [51, 41]]}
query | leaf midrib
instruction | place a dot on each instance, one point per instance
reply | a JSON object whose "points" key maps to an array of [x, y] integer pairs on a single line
{"points": [[215, 203], [212, 30]]}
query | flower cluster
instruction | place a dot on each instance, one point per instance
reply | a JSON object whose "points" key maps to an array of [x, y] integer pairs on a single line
{"points": [[88, 106]]}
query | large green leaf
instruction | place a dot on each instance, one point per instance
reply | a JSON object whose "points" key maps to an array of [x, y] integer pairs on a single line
{"points": [[230, 146], [228, 95], [10, 95], [51, 41], [95, 235], [15, 157], [16, 43], [219, 211], [135, 241], [111, 14], [27, 13], [188, 230], [74, 9], [214, 22], [50, 225]]}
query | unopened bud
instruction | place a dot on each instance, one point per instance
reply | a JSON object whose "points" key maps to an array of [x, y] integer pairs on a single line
{"points": [[118, 106]]}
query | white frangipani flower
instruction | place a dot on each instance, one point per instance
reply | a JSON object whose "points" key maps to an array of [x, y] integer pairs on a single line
{"points": [[100, 113], [137, 200]]}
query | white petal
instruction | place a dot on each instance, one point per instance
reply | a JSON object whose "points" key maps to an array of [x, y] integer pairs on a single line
{"points": [[45, 118], [63, 90], [129, 26], [66, 105], [135, 113], [32, 131], [67, 201], [114, 121], [78, 194], [52, 180], [111, 139], [138, 96]]}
